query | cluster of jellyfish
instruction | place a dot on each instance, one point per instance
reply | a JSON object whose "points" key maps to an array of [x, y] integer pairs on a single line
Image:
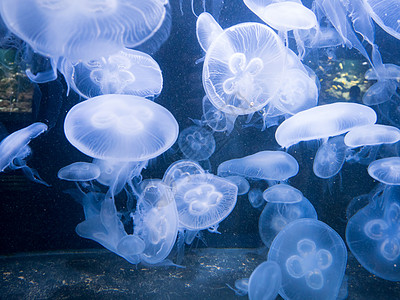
{"points": [[250, 70]]}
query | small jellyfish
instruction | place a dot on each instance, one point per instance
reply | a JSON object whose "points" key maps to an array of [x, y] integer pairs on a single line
{"points": [[196, 143], [215, 119], [79, 171], [181, 170], [276, 216], [265, 281], [386, 170], [156, 221], [371, 135], [282, 193], [127, 72], [312, 257], [323, 121], [204, 200], [207, 30], [372, 235], [267, 165], [243, 68], [241, 182], [120, 128], [330, 157], [83, 30], [256, 197]]}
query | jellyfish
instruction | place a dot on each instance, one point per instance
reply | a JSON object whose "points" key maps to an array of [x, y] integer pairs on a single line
{"points": [[181, 170], [322, 122], [128, 72], [371, 135], [79, 171], [267, 165], [204, 200], [207, 30], [282, 193], [120, 128], [215, 119], [372, 235], [156, 221], [256, 197], [265, 281], [276, 216], [241, 182], [330, 157], [285, 16], [196, 143], [312, 257], [83, 30], [243, 68], [241, 286], [386, 170], [14, 150]]}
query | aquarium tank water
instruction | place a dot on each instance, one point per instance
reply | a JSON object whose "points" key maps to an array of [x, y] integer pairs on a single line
{"points": [[200, 149]]}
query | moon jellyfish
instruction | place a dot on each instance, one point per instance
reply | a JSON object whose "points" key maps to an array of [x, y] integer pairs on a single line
{"points": [[128, 72], [215, 119], [207, 30], [120, 128], [79, 171], [312, 257], [256, 197], [371, 135], [330, 157], [14, 150], [265, 281], [243, 68], [156, 221], [323, 121], [83, 30], [386, 170], [282, 193], [267, 165], [372, 235], [285, 16], [204, 200], [275, 216], [196, 143], [241, 182], [181, 170]]}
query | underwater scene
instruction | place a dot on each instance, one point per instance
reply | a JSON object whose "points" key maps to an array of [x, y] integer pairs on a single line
{"points": [[200, 149]]}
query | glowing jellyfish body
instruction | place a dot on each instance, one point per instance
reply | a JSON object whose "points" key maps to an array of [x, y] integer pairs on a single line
{"points": [[181, 170], [372, 235], [330, 157], [323, 121], [386, 170], [156, 221], [83, 29], [215, 119], [196, 143], [268, 165], [282, 193], [256, 197], [79, 171], [13, 145], [241, 182], [371, 135], [243, 68], [265, 281], [207, 30], [204, 201], [312, 257], [120, 128], [275, 216], [128, 72]]}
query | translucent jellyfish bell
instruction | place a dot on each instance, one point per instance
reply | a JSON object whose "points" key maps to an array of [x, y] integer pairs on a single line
{"points": [[83, 29], [207, 30], [371, 135], [120, 128], [386, 170], [196, 143], [282, 193], [127, 72], [181, 170], [372, 235], [79, 171], [312, 257], [268, 165], [204, 200], [156, 221], [265, 281], [323, 121], [243, 68]]}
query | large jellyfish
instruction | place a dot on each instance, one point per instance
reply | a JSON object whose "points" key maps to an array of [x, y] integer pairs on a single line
{"points": [[125, 72], [312, 257], [267, 165], [243, 68], [83, 30], [323, 121], [372, 235], [120, 128]]}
